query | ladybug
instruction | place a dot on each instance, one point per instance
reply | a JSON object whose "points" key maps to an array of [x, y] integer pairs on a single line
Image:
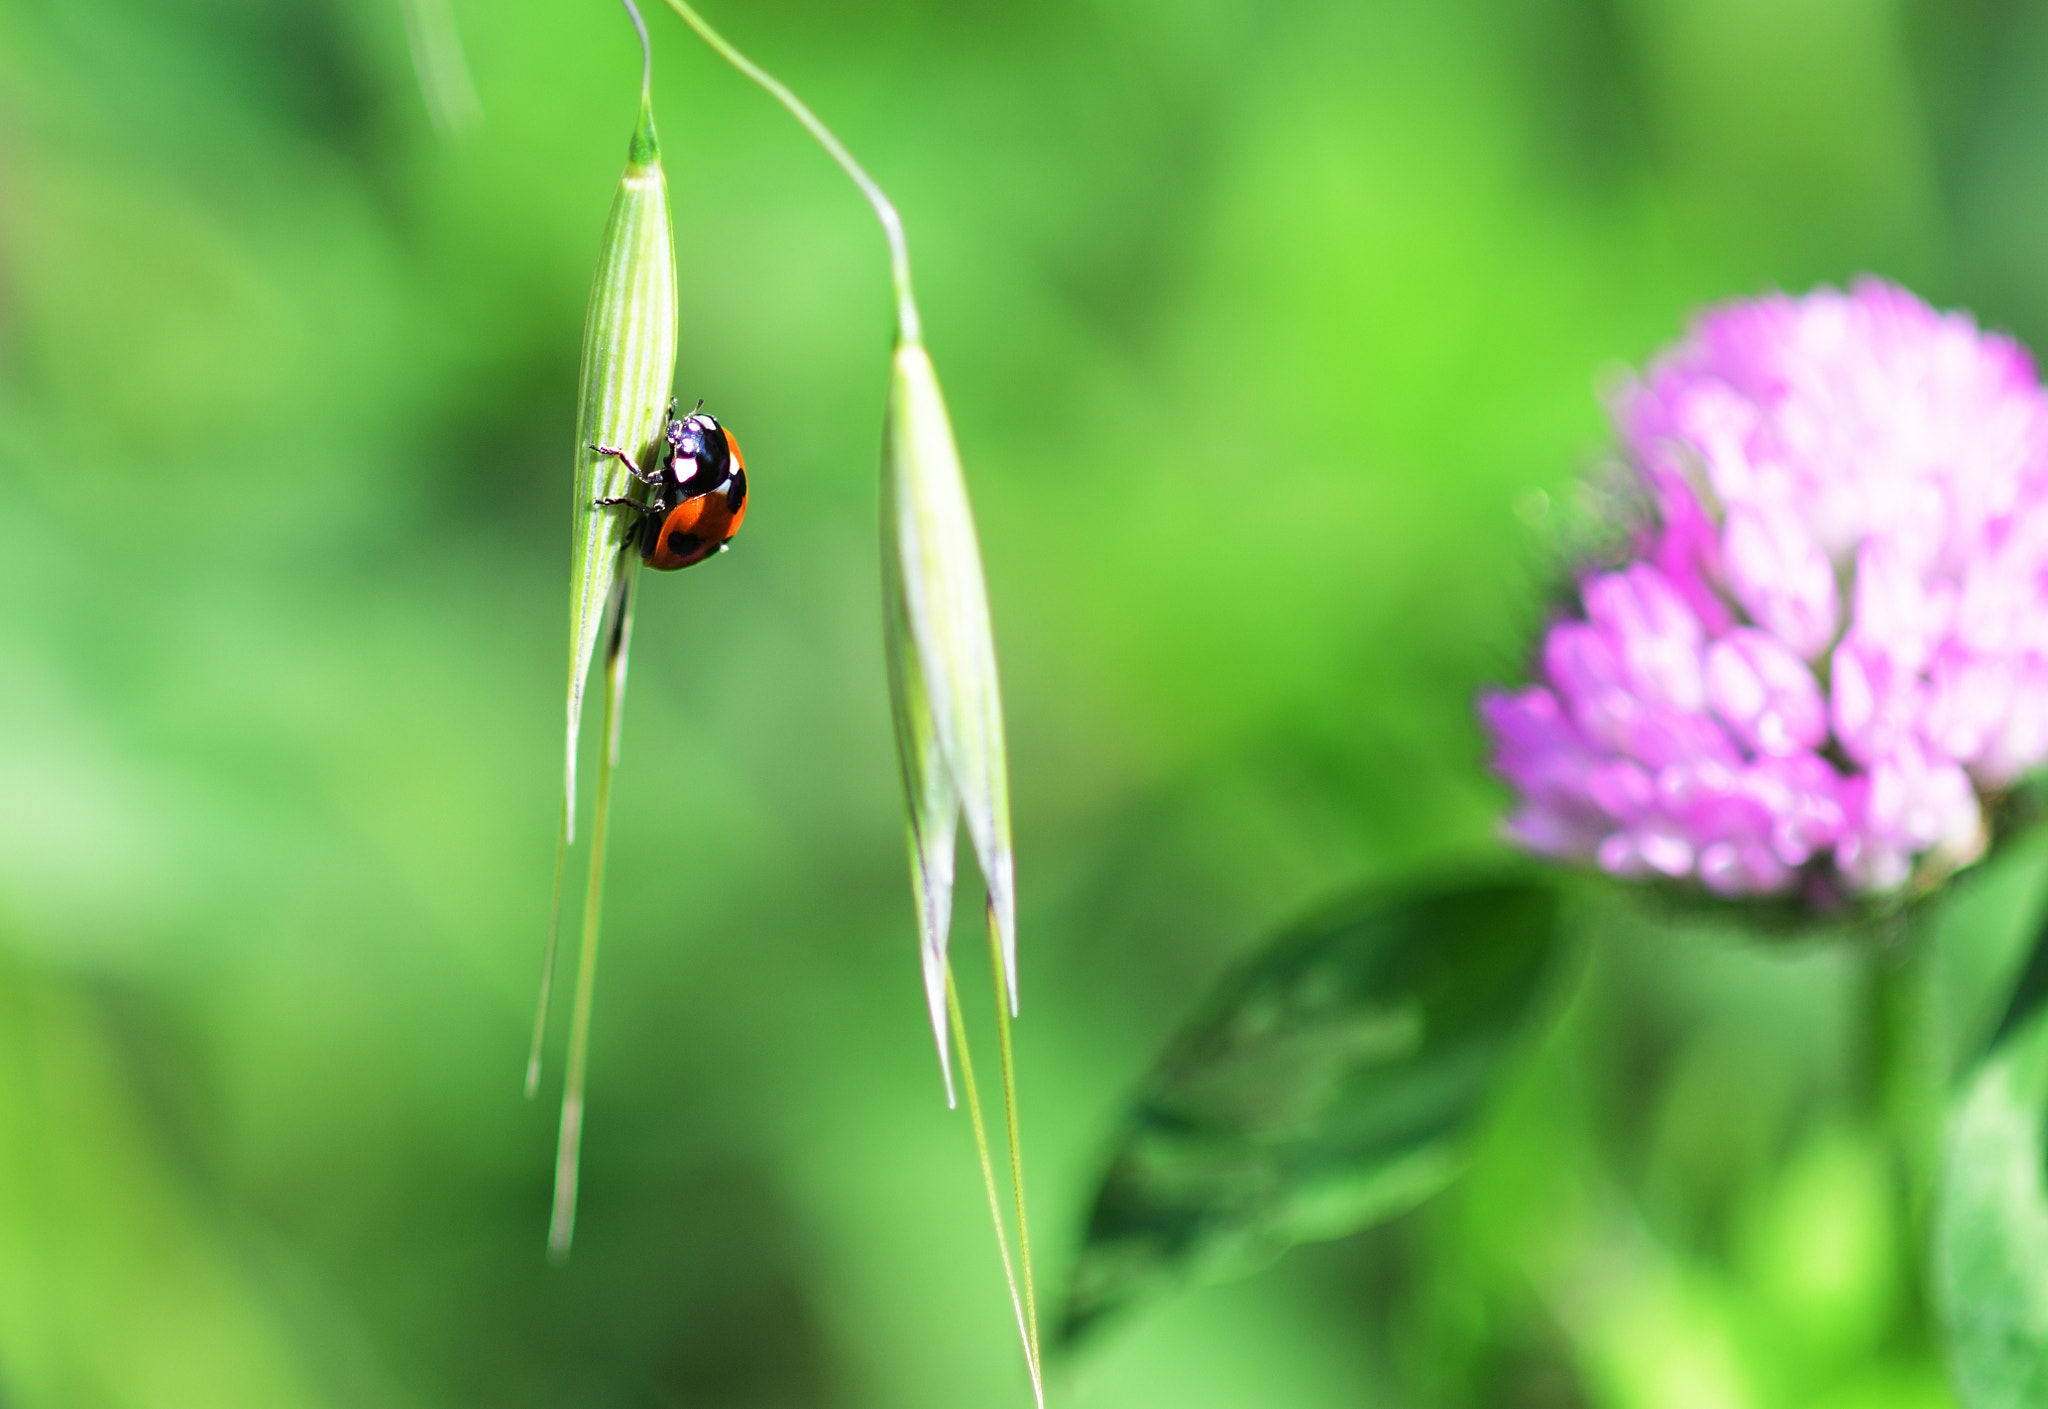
{"points": [[697, 497]]}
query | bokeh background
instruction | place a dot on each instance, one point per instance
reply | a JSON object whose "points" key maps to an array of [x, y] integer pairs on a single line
{"points": [[1270, 331]]}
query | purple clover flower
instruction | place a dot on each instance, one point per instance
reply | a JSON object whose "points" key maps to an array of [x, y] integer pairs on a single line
{"points": [[1832, 644]]}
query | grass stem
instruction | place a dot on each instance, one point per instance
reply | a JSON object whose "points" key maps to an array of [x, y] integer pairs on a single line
{"points": [[547, 961], [908, 327], [568, 1148], [646, 48], [1026, 1329]]}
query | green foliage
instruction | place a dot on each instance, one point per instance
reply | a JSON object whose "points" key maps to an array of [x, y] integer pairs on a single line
{"points": [[285, 383], [1992, 1222], [1330, 1084], [104, 1246]]}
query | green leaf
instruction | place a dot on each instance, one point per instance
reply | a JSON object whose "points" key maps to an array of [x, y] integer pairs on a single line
{"points": [[1328, 1086], [1991, 1225]]}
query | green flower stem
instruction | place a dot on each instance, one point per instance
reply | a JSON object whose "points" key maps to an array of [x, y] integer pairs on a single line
{"points": [[1026, 1321], [995, 952], [568, 1148], [1904, 1074], [908, 327], [1904, 1087]]}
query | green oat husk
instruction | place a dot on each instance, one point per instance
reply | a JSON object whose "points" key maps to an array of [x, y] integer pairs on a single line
{"points": [[942, 658], [627, 368], [932, 803]]}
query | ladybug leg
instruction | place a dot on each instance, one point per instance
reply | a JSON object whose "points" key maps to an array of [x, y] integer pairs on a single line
{"points": [[627, 460], [644, 530]]}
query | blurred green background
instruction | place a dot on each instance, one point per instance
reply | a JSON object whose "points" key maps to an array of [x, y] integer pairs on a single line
{"points": [[1258, 323]]}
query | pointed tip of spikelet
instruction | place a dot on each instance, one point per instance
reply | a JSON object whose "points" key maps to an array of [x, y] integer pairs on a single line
{"points": [[645, 148], [935, 1000], [1002, 918]]}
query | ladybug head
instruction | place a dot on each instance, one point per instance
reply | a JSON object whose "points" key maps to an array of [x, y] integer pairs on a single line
{"points": [[694, 440]]}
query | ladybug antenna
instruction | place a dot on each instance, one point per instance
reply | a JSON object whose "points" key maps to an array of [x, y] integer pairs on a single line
{"points": [[700, 405]]}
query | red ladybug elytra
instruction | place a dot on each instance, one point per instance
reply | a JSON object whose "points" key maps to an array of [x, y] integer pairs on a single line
{"points": [[697, 496]]}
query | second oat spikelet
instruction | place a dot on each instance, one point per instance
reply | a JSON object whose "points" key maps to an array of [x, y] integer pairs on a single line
{"points": [[942, 670], [943, 693]]}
